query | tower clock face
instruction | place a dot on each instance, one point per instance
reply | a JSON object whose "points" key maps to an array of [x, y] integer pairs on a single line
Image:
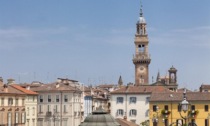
{"points": [[142, 69]]}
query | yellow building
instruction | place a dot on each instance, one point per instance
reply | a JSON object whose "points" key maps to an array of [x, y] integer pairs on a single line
{"points": [[165, 110]]}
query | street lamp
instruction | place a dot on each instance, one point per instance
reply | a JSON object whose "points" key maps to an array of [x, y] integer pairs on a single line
{"points": [[184, 104], [184, 107]]}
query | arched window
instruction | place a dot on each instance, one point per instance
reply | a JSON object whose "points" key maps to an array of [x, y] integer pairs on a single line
{"points": [[119, 112], [133, 112], [141, 48]]}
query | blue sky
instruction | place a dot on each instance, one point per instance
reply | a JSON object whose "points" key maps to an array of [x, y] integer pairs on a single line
{"points": [[93, 41]]}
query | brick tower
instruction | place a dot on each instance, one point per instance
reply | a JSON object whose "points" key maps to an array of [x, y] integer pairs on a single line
{"points": [[141, 58]]}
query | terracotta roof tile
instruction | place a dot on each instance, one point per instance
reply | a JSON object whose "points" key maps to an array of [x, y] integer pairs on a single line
{"points": [[177, 96], [205, 86], [106, 85], [52, 87], [10, 90], [24, 90]]}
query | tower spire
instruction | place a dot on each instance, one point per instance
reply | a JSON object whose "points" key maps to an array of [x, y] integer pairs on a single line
{"points": [[141, 10]]}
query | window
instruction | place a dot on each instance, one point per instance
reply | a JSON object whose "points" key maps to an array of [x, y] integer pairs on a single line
{"points": [[33, 111], [147, 100], [65, 98], [28, 111], [9, 119], [179, 122], [16, 102], [166, 122], [119, 112], [23, 102], [40, 109], [65, 122], [65, 109], [132, 100], [10, 101], [16, 117], [1, 117], [193, 107], [154, 108], [49, 98], [119, 99], [133, 112], [33, 122], [57, 98], [206, 122], [57, 122], [27, 122], [23, 117], [40, 122], [166, 107], [41, 98], [206, 108], [193, 121], [48, 108], [2, 101], [49, 123], [56, 108]]}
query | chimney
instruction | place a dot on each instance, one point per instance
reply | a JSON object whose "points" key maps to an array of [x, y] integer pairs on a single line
{"points": [[57, 85], [59, 80], [28, 87], [5, 88], [10, 81], [105, 96], [1, 81]]}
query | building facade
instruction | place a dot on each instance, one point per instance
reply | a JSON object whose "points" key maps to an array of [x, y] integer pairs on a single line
{"points": [[165, 110], [132, 102], [59, 104], [30, 103], [14, 101]]}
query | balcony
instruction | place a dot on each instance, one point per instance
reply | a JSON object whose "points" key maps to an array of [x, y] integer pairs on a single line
{"points": [[48, 114]]}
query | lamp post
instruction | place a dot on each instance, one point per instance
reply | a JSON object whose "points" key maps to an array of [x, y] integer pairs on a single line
{"points": [[184, 105]]}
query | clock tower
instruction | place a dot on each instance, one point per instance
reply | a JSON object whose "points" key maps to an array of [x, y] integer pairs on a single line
{"points": [[141, 58]]}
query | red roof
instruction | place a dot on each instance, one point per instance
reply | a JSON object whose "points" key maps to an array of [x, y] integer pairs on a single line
{"points": [[24, 90]]}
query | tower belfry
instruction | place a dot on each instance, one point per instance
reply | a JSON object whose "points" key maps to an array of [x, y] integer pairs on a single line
{"points": [[141, 57]]}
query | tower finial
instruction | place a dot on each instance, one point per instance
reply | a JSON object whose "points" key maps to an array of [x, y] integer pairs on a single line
{"points": [[141, 6]]}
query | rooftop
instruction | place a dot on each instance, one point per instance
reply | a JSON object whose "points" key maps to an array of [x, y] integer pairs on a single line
{"points": [[140, 90]]}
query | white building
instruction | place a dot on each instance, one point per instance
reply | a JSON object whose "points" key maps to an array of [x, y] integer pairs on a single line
{"points": [[59, 104], [133, 102]]}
